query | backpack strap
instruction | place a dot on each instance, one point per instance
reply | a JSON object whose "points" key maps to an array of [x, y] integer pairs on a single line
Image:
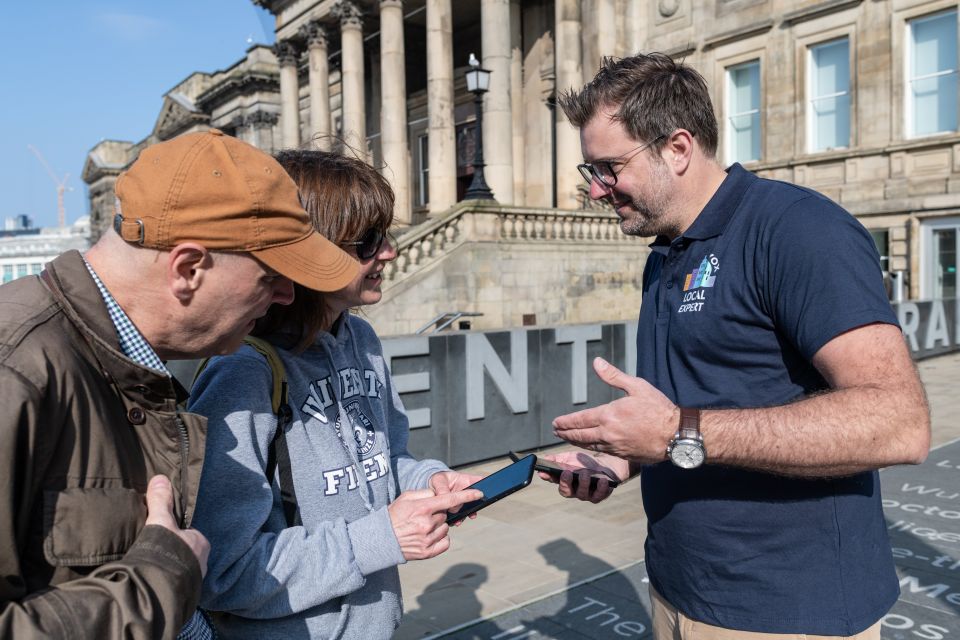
{"points": [[278, 454]]}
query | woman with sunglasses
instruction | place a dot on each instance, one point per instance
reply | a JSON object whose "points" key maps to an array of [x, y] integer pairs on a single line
{"points": [[365, 505]]}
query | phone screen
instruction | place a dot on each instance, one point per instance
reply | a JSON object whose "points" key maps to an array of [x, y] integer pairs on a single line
{"points": [[497, 485]]}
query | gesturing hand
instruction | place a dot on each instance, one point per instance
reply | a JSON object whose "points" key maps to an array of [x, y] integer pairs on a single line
{"points": [[160, 512], [636, 427], [419, 520]]}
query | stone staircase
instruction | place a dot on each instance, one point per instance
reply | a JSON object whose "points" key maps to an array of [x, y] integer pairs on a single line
{"points": [[513, 265]]}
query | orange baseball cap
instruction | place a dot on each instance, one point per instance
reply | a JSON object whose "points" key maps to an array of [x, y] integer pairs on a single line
{"points": [[226, 195]]}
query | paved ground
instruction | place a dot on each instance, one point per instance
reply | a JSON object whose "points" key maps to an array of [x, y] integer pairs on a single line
{"points": [[538, 566]]}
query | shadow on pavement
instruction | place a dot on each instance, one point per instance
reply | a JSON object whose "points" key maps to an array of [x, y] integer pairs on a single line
{"points": [[598, 602]]}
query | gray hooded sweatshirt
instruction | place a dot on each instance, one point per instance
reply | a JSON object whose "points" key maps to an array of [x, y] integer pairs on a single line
{"points": [[336, 575]]}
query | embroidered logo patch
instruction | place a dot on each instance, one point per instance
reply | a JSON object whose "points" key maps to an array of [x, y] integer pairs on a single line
{"points": [[697, 282], [704, 275]]}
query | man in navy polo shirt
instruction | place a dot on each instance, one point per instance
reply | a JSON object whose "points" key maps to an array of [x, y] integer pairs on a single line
{"points": [[772, 378]]}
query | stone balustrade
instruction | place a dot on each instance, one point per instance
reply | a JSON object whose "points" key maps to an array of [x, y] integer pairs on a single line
{"points": [[560, 226], [484, 222], [425, 244]]}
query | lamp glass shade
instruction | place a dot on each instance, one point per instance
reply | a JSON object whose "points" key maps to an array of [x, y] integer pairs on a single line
{"points": [[478, 80]]}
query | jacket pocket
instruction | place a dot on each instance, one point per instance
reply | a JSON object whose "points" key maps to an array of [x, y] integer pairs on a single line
{"points": [[90, 526]]}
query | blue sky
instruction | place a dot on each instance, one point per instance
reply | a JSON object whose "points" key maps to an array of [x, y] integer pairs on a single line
{"points": [[76, 72]]}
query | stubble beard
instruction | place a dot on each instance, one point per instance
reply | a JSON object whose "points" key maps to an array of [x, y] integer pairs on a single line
{"points": [[648, 217]]}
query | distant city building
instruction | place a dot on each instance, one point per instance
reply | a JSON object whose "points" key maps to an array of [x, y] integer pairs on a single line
{"points": [[21, 222], [855, 99], [25, 250]]}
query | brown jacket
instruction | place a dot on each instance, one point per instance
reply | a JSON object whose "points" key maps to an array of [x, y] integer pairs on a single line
{"points": [[82, 429]]}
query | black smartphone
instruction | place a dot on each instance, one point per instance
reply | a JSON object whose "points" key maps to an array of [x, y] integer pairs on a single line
{"points": [[554, 469], [497, 485]]}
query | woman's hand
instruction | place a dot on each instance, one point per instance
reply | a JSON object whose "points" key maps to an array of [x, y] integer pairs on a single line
{"points": [[419, 520]]}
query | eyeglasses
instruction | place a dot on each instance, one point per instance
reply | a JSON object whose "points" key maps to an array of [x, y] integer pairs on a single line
{"points": [[602, 171], [369, 243]]}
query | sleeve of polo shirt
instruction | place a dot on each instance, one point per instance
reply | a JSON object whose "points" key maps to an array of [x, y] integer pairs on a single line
{"points": [[821, 274]]}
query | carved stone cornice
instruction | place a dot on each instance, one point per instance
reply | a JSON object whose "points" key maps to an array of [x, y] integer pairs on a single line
{"points": [[93, 174], [315, 34], [818, 10], [740, 33], [175, 118], [245, 84], [287, 52], [261, 119], [349, 14]]}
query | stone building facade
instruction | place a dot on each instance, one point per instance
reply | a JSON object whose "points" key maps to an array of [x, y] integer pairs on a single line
{"points": [[854, 98], [242, 101]]}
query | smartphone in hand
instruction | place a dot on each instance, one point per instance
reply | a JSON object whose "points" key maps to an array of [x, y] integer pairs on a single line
{"points": [[497, 485], [554, 469]]}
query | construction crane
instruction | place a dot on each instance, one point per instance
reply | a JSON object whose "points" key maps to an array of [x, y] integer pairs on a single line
{"points": [[61, 186]]}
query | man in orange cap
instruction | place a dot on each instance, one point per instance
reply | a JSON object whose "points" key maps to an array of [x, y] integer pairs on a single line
{"points": [[209, 233]]}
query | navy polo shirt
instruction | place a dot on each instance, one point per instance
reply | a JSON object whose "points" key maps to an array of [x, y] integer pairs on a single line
{"points": [[733, 311]]}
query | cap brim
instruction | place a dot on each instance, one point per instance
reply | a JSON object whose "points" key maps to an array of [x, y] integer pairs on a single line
{"points": [[314, 262]]}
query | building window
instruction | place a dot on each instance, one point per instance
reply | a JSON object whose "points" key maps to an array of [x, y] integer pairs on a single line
{"points": [[828, 109], [940, 249], [945, 263], [743, 112], [881, 238], [932, 74], [7, 272], [21, 270], [423, 170]]}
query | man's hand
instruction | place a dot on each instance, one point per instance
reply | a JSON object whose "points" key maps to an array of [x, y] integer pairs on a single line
{"points": [[160, 512], [419, 520], [637, 427], [602, 463]]}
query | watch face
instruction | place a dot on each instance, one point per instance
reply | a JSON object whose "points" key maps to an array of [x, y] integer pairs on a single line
{"points": [[687, 454]]}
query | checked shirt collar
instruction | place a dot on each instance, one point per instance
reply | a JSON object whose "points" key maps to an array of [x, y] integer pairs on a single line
{"points": [[132, 343]]}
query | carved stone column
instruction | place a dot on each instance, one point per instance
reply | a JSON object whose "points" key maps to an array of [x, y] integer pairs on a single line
{"points": [[442, 140], [636, 28], [569, 75], [393, 108], [351, 77], [261, 124], [287, 55], [495, 34], [516, 103], [606, 21], [319, 72]]}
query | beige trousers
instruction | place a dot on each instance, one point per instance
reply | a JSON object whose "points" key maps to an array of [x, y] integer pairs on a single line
{"points": [[670, 624]]}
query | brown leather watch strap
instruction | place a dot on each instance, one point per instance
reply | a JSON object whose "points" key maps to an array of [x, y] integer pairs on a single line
{"points": [[689, 423]]}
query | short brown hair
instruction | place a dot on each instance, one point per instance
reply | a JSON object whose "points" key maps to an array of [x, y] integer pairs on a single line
{"points": [[344, 197], [653, 96]]}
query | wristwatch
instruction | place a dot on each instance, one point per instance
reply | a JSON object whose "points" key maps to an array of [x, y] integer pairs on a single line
{"points": [[686, 449]]}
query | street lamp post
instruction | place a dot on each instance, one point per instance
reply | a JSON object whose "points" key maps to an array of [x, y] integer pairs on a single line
{"points": [[478, 82]]}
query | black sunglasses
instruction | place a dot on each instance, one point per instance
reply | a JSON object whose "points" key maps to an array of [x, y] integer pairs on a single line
{"points": [[369, 243]]}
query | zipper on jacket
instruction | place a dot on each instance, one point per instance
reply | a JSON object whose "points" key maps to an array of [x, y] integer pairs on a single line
{"points": [[184, 442]]}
